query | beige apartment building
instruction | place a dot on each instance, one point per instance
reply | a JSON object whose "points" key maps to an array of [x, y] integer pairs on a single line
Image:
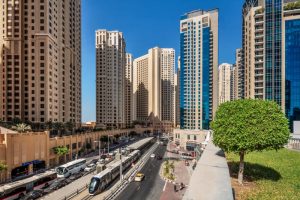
{"points": [[110, 79], [128, 89], [239, 74], [254, 39], [225, 74], [153, 85], [40, 62]]}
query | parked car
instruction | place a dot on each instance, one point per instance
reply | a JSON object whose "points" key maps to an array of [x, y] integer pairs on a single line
{"points": [[90, 167], [101, 161], [58, 183], [139, 177], [152, 155], [34, 194]]}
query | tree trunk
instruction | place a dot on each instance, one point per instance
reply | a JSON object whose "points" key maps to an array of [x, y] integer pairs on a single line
{"points": [[241, 169]]}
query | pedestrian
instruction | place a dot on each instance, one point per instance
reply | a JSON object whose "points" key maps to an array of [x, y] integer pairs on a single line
{"points": [[181, 186], [175, 189]]}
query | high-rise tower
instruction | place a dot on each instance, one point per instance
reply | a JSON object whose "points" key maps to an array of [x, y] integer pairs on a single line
{"points": [[199, 68], [40, 62]]}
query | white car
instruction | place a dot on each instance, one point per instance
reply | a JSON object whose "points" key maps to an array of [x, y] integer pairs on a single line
{"points": [[101, 161], [152, 155], [90, 168]]}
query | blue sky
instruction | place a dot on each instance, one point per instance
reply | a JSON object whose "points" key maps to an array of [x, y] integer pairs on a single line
{"points": [[146, 24]]}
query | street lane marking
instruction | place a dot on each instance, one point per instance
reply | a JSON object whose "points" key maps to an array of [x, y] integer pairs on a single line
{"points": [[165, 186]]}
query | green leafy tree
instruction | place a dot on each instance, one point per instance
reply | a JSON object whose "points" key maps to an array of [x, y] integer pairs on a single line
{"points": [[22, 128], [3, 167], [61, 150], [247, 125]]}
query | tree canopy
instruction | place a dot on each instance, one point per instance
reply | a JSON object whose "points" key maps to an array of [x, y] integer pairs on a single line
{"points": [[60, 151], [22, 128], [250, 125], [2, 166], [243, 126]]}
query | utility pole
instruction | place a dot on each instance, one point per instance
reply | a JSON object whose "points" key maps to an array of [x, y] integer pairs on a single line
{"points": [[107, 143], [121, 168], [99, 148]]}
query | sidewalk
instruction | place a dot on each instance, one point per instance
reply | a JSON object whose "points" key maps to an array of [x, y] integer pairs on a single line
{"points": [[182, 175]]}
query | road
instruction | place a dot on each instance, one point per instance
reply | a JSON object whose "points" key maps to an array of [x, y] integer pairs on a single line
{"points": [[152, 186], [79, 183]]}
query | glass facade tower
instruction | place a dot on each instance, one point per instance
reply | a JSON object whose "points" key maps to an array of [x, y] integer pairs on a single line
{"points": [[198, 68], [273, 50], [292, 70]]}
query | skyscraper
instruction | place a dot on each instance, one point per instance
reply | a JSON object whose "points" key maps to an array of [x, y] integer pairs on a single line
{"points": [[269, 44], [239, 74], [199, 68], [110, 79], [291, 56], [40, 63], [153, 85], [225, 82], [177, 93], [128, 89]]}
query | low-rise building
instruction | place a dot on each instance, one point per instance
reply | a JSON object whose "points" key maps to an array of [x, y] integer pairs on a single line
{"points": [[27, 153], [189, 139]]}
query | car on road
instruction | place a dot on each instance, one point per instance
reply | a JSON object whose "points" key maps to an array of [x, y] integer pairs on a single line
{"points": [[139, 177], [34, 194], [159, 157], [90, 167], [152, 155], [101, 161], [58, 183], [94, 161]]}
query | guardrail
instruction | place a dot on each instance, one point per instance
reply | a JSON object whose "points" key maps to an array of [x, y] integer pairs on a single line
{"points": [[294, 143]]}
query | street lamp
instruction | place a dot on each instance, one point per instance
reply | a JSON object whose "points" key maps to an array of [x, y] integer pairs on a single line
{"points": [[108, 143], [99, 148], [121, 169]]}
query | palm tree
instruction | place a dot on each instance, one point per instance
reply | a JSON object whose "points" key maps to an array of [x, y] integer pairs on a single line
{"points": [[22, 128]]}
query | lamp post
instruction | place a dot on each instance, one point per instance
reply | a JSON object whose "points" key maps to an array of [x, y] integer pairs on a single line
{"points": [[121, 169], [108, 143], [99, 148]]}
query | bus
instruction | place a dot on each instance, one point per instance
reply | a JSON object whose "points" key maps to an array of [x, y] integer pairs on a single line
{"points": [[70, 168], [17, 189]]}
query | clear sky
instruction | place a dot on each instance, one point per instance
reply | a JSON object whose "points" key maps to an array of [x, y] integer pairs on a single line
{"points": [[146, 24]]}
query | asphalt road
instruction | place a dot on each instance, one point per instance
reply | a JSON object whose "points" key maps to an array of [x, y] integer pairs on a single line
{"points": [[152, 185], [80, 182]]}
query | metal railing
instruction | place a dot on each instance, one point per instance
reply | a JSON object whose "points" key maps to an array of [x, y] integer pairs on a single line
{"points": [[294, 143]]}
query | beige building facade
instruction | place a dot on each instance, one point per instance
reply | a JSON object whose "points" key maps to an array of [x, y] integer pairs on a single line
{"points": [[110, 79], [40, 62], [128, 89], [26, 153], [189, 139], [225, 74], [153, 85]]}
